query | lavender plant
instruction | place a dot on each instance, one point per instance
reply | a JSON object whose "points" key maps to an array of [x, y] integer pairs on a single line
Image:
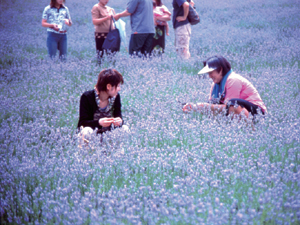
{"points": [[176, 168]]}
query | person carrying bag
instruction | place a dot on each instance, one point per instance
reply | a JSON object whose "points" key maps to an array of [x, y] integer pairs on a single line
{"points": [[112, 42]]}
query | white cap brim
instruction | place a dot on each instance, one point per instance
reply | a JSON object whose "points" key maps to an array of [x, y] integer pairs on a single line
{"points": [[206, 69]]}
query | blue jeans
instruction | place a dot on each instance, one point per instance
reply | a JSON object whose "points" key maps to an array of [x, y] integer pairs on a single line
{"points": [[57, 41]]}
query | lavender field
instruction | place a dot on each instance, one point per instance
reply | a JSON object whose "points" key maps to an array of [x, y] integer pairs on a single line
{"points": [[171, 168]]}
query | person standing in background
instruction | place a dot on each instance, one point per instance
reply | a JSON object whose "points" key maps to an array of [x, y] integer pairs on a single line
{"points": [[55, 17], [161, 16], [101, 17], [142, 25], [182, 27]]}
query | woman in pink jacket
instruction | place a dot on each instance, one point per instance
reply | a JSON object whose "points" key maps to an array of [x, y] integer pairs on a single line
{"points": [[230, 92]]}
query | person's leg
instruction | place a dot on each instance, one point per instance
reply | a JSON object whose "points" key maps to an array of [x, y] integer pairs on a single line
{"points": [[242, 109], [147, 46], [158, 41], [182, 40], [99, 40], [62, 46], [85, 136], [167, 29], [238, 110], [51, 44], [237, 106], [136, 43]]}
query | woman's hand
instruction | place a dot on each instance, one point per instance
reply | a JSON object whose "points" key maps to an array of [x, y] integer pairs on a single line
{"points": [[55, 27], [180, 18], [106, 122], [68, 22], [117, 121], [187, 107]]}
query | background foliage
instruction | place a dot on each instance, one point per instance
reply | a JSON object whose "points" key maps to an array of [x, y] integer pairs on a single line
{"points": [[177, 168]]}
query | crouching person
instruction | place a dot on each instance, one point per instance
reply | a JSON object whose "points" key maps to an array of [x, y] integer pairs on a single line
{"points": [[229, 91], [100, 108]]}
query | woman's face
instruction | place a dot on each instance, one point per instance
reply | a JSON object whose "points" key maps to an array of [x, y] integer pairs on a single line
{"points": [[216, 76], [59, 2], [113, 91], [103, 2]]}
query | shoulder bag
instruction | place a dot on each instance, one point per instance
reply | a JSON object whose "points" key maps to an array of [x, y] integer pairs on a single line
{"points": [[113, 40], [193, 16]]}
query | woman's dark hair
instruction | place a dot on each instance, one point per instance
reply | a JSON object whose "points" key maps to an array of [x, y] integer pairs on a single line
{"points": [[158, 2], [108, 76], [218, 62], [53, 2]]}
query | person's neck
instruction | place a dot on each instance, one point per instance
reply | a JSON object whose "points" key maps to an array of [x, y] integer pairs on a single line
{"points": [[57, 5], [103, 96], [102, 4]]}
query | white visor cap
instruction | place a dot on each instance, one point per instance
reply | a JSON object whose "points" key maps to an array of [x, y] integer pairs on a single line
{"points": [[206, 69]]}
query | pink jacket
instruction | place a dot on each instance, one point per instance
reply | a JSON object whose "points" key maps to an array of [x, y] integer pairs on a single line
{"points": [[239, 87]]}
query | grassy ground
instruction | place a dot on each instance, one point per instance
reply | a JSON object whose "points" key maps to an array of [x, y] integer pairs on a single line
{"points": [[177, 168]]}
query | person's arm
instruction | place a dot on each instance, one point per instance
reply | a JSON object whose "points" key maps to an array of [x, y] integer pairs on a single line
{"points": [[185, 6], [86, 114], [49, 25], [204, 107], [96, 16], [117, 114], [101, 20], [122, 14], [68, 20], [166, 17]]}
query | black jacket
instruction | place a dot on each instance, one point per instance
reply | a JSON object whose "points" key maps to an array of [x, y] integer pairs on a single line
{"points": [[88, 106]]}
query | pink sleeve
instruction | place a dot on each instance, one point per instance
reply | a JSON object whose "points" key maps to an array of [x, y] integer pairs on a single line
{"points": [[233, 89]]}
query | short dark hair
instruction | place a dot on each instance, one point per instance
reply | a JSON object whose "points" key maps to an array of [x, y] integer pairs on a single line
{"points": [[53, 2], [108, 76], [218, 62]]}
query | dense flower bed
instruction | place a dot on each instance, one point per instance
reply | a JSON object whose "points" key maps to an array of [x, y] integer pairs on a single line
{"points": [[176, 168]]}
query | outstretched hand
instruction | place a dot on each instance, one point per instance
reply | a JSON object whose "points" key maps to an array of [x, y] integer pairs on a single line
{"points": [[187, 107]]}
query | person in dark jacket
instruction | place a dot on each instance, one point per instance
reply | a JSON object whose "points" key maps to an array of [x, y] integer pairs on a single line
{"points": [[101, 107]]}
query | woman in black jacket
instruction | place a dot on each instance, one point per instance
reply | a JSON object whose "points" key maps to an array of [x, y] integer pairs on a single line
{"points": [[101, 107]]}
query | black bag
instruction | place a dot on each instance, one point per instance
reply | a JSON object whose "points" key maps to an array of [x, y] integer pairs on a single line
{"points": [[193, 16], [112, 42]]}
